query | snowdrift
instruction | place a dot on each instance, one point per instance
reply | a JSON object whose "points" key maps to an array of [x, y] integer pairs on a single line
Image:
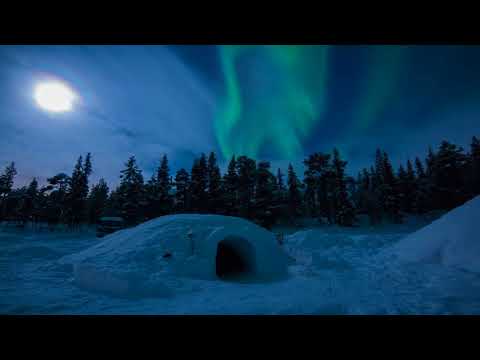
{"points": [[452, 240], [142, 261]]}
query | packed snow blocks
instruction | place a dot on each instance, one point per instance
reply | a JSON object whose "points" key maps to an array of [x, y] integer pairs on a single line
{"points": [[144, 260]]}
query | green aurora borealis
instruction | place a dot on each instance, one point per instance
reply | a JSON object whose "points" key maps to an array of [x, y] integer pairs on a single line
{"points": [[274, 99], [279, 100]]}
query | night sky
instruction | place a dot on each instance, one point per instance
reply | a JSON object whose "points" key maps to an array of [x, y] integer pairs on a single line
{"points": [[277, 103]]}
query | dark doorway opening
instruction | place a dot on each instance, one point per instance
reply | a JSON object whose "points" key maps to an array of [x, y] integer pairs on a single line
{"points": [[234, 259]]}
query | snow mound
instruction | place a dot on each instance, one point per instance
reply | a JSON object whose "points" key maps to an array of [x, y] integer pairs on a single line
{"points": [[143, 260], [453, 240]]}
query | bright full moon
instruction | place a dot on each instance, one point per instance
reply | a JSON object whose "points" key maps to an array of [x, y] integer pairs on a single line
{"points": [[54, 96]]}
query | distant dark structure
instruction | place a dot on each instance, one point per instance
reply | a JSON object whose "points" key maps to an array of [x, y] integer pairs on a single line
{"points": [[108, 225]]}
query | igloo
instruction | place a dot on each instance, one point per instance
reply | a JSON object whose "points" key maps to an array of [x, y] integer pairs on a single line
{"points": [[140, 260]]}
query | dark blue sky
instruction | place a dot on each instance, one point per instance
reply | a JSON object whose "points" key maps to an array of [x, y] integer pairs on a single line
{"points": [[149, 100]]}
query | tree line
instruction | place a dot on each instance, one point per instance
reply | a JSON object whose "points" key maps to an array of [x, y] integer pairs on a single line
{"points": [[446, 178]]}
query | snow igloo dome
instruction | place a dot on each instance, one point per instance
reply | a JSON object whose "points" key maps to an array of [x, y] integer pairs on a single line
{"points": [[140, 260]]}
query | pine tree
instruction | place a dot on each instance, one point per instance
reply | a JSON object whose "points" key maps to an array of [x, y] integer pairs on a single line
{"points": [[294, 200], [264, 195], [230, 189], [199, 183], [214, 185], [343, 209], [130, 194], [182, 191], [246, 170]]}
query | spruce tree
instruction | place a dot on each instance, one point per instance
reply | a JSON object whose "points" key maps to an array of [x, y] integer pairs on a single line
{"points": [[343, 208], [422, 200], [87, 169], [130, 194], [407, 188], [280, 184], [411, 188], [6, 179], [420, 172], [163, 201], [379, 167], [230, 189], [56, 207], [402, 187], [6, 183], [280, 196], [214, 185], [199, 183], [97, 201], [29, 206], [113, 205], [363, 187], [264, 195], [158, 191], [374, 200], [430, 162], [294, 199], [165, 185], [318, 181], [474, 173], [75, 194], [311, 180], [182, 191], [390, 199], [246, 170], [447, 175]]}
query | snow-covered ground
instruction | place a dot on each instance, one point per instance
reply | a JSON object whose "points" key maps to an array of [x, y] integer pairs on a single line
{"points": [[336, 271], [453, 240]]}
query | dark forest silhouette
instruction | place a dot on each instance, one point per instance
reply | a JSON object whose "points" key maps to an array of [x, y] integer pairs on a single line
{"points": [[447, 178]]}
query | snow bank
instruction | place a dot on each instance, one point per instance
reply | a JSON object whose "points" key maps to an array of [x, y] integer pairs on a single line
{"points": [[452, 240], [139, 261]]}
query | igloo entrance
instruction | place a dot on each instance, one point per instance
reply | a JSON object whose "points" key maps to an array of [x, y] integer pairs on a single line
{"points": [[235, 259]]}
